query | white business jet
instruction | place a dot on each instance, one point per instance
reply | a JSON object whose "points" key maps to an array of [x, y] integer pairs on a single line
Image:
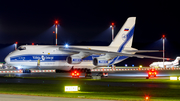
{"points": [[66, 57], [167, 64]]}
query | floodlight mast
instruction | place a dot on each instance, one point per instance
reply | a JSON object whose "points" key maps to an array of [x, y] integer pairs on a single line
{"points": [[112, 27], [163, 48], [56, 23]]}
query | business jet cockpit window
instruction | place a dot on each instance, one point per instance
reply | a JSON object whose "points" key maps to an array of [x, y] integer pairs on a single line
{"points": [[21, 48]]}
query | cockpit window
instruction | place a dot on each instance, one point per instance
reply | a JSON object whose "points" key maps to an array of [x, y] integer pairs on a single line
{"points": [[21, 48]]}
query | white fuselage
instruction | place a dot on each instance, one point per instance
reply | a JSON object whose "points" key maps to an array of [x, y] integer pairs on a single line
{"points": [[167, 64], [51, 57], [160, 64]]}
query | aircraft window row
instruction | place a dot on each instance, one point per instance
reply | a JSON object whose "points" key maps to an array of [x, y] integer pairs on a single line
{"points": [[21, 48]]}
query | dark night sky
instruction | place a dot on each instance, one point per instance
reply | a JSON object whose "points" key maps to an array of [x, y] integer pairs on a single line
{"points": [[88, 20]]}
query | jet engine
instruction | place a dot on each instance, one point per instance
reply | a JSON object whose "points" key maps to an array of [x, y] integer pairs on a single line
{"points": [[73, 60], [100, 62]]}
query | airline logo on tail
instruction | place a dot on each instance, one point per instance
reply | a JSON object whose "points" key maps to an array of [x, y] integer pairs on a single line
{"points": [[124, 37]]}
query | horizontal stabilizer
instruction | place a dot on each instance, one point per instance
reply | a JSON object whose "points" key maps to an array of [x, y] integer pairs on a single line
{"points": [[142, 51]]}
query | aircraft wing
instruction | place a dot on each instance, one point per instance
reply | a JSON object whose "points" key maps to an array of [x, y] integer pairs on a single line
{"points": [[92, 51]]}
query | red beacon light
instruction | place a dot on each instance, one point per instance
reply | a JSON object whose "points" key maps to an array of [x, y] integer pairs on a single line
{"points": [[72, 74], [163, 36], [112, 25], [147, 98], [75, 74], [152, 72], [16, 43], [56, 22]]}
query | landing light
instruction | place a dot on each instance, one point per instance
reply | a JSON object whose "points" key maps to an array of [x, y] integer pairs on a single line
{"points": [[140, 66], [66, 45]]}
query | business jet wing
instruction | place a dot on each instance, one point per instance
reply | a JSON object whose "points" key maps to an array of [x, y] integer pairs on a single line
{"points": [[98, 52]]}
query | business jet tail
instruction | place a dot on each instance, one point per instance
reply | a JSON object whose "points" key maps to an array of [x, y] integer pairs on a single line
{"points": [[176, 61]]}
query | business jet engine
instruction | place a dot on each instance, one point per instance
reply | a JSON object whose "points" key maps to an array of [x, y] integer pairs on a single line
{"points": [[73, 60]]}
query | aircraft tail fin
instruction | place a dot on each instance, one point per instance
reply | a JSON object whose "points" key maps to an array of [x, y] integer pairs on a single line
{"points": [[176, 61], [124, 37]]}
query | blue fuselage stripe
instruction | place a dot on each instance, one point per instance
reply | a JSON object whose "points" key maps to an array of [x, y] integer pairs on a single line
{"points": [[45, 58]]}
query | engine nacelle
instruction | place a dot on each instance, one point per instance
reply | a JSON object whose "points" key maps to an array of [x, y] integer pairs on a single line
{"points": [[100, 62], [73, 60]]}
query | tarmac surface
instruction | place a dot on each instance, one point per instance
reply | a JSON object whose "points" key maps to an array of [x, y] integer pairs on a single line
{"points": [[120, 75], [6, 97]]}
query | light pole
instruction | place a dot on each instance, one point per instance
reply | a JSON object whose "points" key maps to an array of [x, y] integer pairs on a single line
{"points": [[112, 27], [163, 48], [56, 23], [15, 45]]}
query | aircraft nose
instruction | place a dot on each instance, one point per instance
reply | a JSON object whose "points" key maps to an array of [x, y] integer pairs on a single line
{"points": [[7, 59]]}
